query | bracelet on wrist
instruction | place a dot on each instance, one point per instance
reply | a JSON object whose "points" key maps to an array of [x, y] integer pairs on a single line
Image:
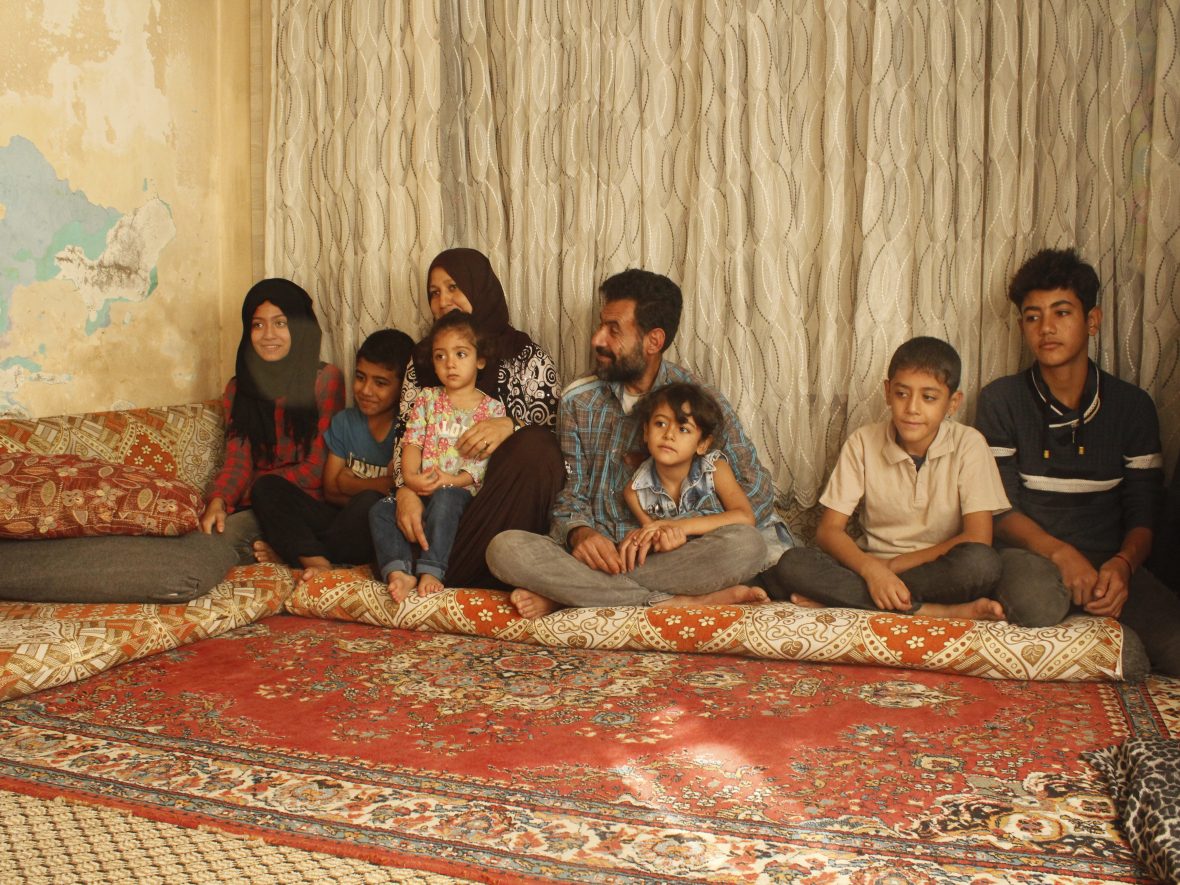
{"points": [[1130, 565]]}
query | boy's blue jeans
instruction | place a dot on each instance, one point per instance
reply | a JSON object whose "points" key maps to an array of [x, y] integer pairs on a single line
{"points": [[440, 521]]}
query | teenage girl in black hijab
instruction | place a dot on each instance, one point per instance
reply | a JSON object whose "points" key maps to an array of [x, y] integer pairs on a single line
{"points": [[278, 406]]}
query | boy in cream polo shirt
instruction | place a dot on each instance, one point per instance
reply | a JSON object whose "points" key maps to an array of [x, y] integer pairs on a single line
{"points": [[927, 489]]}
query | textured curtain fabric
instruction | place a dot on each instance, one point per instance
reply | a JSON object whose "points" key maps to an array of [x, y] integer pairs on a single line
{"points": [[824, 179]]}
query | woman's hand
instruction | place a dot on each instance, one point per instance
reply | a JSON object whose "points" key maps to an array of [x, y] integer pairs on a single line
{"points": [[484, 437], [213, 517]]}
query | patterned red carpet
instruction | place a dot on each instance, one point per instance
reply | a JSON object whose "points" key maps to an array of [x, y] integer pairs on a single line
{"points": [[513, 763]]}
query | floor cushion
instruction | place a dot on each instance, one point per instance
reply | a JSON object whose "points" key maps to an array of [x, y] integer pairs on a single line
{"points": [[67, 496], [114, 568], [1083, 648], [46, 644], [185, 441]]}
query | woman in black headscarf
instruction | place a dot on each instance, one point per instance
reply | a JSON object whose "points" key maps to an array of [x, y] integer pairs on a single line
{"points": [[525, 470], [277, 407]]}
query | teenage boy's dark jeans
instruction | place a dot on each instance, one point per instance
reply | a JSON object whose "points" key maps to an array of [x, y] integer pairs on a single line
{"points": [[1033, 595]]}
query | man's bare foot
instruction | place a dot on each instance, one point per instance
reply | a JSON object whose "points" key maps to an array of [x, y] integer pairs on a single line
{"points": [[532, 605], [980, 610], [263, 552], [428, 584], [401, 586], [805, 601], [738, 594]]}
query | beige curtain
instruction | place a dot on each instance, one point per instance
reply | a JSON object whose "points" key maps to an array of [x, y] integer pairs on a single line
{"points": [[824, 179]]}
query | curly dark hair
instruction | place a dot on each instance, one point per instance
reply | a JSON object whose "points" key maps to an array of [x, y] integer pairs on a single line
{"points": [[658, 301], [685, 400], [1055, 269]]}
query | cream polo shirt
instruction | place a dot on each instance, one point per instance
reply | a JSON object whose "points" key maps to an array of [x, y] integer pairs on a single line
{"points": [[903, 508]]}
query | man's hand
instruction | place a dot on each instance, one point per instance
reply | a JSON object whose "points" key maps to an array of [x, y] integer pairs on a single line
{"points": [[595, 549], [1110, 589], [1077, 574], [633, 548], [409, 516], [659, 536], [889, 592], [214, 517]]}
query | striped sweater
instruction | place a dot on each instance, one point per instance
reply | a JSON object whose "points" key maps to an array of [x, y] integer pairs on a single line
{"points": [[1087, 475]]}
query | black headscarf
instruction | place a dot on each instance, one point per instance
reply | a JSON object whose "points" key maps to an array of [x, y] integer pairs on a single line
{"points": [[292, 378], [473, 274]]}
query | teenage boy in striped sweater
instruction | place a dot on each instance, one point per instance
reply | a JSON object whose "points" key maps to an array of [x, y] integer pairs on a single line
{"points": [[1079, 453]]}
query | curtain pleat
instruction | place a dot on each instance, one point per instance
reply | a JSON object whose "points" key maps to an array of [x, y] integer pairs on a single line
{"points": [[824, 178]]}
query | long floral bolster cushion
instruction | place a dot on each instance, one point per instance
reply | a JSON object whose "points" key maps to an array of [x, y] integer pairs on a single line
{"points": [[1081, 649], [47, 644]]}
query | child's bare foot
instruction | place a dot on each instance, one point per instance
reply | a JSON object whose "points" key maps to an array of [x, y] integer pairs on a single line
{"points": [[312, 566], [263, 552], [532, 605], [980, 610], [805, 601], [401, 586], [428, 584], [738, 594]]}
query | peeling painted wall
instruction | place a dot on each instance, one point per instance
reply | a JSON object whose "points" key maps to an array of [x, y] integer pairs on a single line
{"points": [[124, 237]]}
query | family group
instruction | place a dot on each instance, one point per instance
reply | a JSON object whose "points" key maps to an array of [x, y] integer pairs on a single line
{"points": [[461, 463]]}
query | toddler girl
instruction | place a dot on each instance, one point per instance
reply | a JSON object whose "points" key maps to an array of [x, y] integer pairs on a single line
{"points": [[431, 464]]}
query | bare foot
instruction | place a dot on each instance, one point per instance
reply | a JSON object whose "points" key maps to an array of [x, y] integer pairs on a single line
{"points": [[401, 586], [428, 584], [738, 594], [263, 552], [980, 610], [805, 601], [532, 605], [310, 572]]}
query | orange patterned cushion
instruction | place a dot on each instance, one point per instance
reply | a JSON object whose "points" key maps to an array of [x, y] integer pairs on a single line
{"points": [[46, 644], [185, 441], [65, 496], [1080, 649]]}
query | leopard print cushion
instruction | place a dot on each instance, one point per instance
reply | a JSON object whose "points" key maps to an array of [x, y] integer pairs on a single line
{"points": [[1144, 774]]}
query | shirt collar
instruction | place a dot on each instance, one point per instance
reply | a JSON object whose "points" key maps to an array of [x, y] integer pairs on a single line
{"points": [[645, 477], [942, 444], [660, 380], [1058, 414]]}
